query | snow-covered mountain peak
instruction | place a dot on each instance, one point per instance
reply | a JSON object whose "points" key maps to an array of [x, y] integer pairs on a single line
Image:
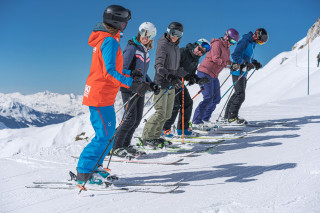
{"points": [[312, 34], [314, 31]]}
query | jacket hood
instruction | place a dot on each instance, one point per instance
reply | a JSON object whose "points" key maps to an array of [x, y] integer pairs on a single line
{"points": [[223, 42], [191, 47], [100, 33], [248, 36]]}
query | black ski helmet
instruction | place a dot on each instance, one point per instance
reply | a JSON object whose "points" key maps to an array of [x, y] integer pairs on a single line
{"points": [[261, 35], [176, 26], [117, 17]]}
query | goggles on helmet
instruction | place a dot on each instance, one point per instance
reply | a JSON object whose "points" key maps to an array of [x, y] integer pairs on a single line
{"points": [[232, 41], [260, 42], [147, 33], [174, 32], [203, 44]]}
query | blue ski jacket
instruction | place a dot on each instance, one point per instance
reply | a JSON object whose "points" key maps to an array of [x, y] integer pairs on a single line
{"points": [[244, 52]]}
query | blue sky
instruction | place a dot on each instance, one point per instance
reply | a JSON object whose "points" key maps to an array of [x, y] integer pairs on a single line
{"points": [[43, 44]]}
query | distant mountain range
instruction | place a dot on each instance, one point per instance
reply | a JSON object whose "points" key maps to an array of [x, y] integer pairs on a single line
{"points": [[40, 109]]}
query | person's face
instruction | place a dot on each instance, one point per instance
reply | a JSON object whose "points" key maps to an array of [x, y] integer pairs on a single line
{"points": [[199, 51], [174, 38], [144, 40]]}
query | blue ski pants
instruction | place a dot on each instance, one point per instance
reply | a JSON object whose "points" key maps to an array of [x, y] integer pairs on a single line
{"points": [[211, 97], [103, 120]]}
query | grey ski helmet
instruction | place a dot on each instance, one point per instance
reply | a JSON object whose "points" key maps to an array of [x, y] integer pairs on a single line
{"points": [[175, 29]]}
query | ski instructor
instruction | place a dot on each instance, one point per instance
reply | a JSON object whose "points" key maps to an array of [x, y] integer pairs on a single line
{"points": [[105, 78]]}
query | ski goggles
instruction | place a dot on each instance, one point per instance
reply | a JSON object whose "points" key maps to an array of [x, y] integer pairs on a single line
{"points": [[260, 42], [206, 46], [147, 33], [175, 33], [232, 41]]}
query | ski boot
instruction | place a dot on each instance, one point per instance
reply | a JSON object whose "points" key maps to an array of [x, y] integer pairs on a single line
{"points": [[238, 121], [188, 133], [134, 151], [122, 153], [201, 127], [167, 133]]}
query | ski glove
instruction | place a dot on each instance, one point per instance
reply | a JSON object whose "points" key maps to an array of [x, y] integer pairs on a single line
{"points": [[177, 83], [155, 88], [235, 67], [192, 79], [136, 73], [203, 80], [139, 87], [257, 64], [181, 72], [171, 77], [250, 66]]}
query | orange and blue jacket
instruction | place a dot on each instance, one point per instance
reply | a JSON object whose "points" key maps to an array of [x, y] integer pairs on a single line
{"points": [[106, 72]]}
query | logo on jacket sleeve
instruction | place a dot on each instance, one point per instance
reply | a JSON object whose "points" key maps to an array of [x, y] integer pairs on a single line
{"points": [[94, 50], [87, 91]]}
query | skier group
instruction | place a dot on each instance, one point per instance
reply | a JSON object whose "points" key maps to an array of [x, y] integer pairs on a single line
{"points": [[111, 69]]}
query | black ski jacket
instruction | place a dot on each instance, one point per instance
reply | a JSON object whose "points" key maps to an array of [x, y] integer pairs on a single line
{"points": [[189, 61]]}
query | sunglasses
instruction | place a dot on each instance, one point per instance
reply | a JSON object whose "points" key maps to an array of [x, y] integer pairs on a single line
{"points": [[147, 33], [203, 51], [176, 33]]}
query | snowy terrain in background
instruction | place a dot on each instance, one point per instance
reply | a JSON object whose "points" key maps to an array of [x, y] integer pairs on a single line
{"points": [[275, 170]]}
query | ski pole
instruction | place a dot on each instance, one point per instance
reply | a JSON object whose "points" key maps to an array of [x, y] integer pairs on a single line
{"points": [[126, 103], [200, 91], [123, 120], [118, 110], [148, 101], [251, 74], [110, 141], [155, 103], [225, 104], [183, 110], [182, 88], [232, 90], [214, 95], [234, 83]]}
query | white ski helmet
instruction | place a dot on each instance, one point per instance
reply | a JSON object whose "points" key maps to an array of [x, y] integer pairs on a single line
{"points": [[147, 29]]}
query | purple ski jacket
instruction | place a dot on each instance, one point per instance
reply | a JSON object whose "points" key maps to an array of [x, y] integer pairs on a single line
{"points": [[216, 59]]}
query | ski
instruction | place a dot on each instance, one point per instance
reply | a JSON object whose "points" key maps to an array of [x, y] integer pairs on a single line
{"points": [[159, 162], [115, 183], [220, 139], [144, 189]]}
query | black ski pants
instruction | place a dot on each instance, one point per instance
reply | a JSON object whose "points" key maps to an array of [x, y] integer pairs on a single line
{"points": [[188, 102], [238, 97], [125, 132]]}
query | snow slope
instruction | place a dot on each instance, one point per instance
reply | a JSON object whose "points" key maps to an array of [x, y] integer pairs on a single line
{"points": [[274, 170]]}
